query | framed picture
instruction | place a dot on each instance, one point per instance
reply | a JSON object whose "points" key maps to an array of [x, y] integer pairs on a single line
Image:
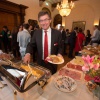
{"points": [[79, 24]]}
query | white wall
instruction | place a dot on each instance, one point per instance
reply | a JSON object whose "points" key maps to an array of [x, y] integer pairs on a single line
{"points": [[81, 13], [85, 10]]}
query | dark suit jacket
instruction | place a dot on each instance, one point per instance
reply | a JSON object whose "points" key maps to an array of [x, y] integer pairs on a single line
{"points": [[36, 41], [72, 39], [63, 35]]}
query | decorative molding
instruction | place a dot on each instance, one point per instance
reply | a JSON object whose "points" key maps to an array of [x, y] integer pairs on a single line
{"points": [[10, 7]]}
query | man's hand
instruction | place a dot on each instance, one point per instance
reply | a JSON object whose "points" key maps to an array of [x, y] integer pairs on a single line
{"points": [[27, 58]]}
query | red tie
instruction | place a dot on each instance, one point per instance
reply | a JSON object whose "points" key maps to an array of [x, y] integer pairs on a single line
{"points": [[45, 45]]}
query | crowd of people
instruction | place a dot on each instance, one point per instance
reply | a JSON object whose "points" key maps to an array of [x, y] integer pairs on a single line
{"points": [[76, 39], [16, 40], [26, 41]]}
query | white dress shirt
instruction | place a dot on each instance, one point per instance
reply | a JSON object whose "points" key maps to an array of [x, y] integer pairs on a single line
{"points": [[49, 41]]}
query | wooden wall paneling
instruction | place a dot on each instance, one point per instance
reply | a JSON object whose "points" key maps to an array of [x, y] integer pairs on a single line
{"points": [[8, 19], [18, 19], [11, 14]]}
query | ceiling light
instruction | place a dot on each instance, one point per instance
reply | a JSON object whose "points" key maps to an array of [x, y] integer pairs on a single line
{"points": [[65, 7]]}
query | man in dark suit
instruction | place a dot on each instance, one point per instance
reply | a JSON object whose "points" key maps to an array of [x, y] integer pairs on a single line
{"points": [[63, 33], [72, 41], [47, 41]]}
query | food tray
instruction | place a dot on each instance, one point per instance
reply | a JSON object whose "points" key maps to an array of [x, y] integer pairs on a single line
{"points": [[21, 79]]}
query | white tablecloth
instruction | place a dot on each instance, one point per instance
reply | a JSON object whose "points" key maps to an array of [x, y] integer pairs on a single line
{"points": [[50, 92]]}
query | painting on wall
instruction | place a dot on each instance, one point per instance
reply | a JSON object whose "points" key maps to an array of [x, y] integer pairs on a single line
{"points": [[79, 24]]}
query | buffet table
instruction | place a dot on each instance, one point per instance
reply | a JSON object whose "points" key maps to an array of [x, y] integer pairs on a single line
{"points": [[91, 50], [50, 92], [81, 93]]}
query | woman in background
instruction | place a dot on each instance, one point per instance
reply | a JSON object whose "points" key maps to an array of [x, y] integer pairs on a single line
{"points": [[88, 37], [79, 41]]}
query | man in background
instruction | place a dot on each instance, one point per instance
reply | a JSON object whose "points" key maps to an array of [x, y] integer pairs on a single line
{"points": [[63, 33], [23, 38], [96, 35], [72, 41]]}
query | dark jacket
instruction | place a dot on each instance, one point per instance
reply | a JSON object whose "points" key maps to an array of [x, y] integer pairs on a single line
{"points": [[4, 36], [36, 41], [63, 35], [88, 39], [72, 38], [14, 40]]}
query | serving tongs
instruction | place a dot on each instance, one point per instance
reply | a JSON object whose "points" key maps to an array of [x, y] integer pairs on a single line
{"points": [[31, 71]]}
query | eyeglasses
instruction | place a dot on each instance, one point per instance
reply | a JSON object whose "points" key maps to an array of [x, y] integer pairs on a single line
{"points": [[45, 20]]}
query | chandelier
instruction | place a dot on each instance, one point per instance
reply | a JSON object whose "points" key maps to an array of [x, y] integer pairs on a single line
{"points": [[65, 7]]}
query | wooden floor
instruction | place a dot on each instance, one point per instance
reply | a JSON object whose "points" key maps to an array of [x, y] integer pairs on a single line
{"points": [[66, 60]]}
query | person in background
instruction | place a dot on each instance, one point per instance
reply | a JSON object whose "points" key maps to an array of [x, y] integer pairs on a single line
{"points": [[9, 39], [67, 38], [0, 41], [15, 46], [96, 35], [72, 41], [88, 37], [23, 38], [63, 33], [48, 42], [36, 27], [67, 32], [4, 37], [20, 28], [31, 30], [67, 35], [79, 41]]}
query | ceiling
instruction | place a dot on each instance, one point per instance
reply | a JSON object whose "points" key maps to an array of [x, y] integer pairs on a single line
{"points": [[54, 2]]}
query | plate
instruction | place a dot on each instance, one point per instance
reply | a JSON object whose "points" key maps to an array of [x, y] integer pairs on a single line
{"points": [[65, 84], [55, 59]]}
